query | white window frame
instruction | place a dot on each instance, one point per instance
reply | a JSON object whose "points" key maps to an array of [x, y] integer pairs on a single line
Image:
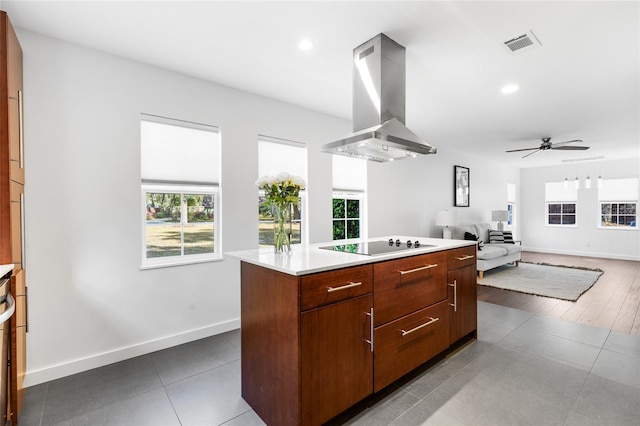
{"points": [[182, 259], [351, 195], [618, 191], [562, 204], [511, 210], [617, 226], [557, 193], [303, 193], [182, 183], [303, 209], [511, 204]]}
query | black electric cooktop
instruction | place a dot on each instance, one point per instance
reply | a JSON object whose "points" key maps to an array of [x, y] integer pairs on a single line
{"points": [[372, 248]]}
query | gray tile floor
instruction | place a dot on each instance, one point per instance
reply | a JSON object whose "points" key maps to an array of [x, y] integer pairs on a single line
{"points": [[524, 369]]}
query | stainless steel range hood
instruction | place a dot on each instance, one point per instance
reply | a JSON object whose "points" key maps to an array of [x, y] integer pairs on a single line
{"points": [[379, 133]]}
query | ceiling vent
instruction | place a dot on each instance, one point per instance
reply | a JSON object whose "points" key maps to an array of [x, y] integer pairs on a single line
{"points": [[522, 43]]}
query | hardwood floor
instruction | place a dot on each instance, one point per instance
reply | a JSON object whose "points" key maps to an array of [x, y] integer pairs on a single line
{"points": [[613, 302]]}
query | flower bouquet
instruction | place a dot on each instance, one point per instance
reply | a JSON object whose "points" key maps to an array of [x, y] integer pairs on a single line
{"points": [[281, 193]]}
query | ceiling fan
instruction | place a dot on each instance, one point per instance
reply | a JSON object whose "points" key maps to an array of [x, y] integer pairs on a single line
{"points": [[547, 145]]}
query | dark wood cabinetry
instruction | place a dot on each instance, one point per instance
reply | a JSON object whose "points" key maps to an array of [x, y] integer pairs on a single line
{"points": [[462, 281], [306, 343], [336, 358], [314, 345], [406, 285], [12, 201], [409, 341], [411, 325]]}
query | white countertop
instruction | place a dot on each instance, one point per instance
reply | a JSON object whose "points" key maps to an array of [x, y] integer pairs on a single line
{"points": [[5, 268], [311, 259]]}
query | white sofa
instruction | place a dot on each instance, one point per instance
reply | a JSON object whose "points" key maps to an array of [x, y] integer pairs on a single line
{"points": [[491, 255]]}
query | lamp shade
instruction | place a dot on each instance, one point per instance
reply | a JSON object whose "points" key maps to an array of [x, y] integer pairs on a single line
{"points": [[446, 218], [499, 215]]}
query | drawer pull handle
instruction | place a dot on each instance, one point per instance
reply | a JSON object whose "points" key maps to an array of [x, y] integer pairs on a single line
{"points": [[422, 268], [343, 287], [370, 315], [469, 256], [455, 295], [431, 321]]}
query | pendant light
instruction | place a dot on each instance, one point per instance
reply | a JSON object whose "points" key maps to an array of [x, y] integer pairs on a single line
{"points": [[577, 183], [587, 182]]}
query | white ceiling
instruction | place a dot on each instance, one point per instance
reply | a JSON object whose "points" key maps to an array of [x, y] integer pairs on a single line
{"points": [[583, 82]]}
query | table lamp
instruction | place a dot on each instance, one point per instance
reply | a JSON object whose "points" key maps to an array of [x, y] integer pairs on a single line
{"points": [[446, 218], [499, 216]]}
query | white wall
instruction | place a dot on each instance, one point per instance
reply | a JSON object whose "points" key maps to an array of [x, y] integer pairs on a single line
{"points": [[585, 239], [404, 196], [89, 303]]}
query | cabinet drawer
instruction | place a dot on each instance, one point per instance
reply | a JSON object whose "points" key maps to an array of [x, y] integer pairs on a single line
{"points": [[329, 287], [406, 285], [403, 344], [461, 257]]}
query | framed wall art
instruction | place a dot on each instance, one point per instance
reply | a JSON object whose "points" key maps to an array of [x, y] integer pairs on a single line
{"points": [[461, 191]]}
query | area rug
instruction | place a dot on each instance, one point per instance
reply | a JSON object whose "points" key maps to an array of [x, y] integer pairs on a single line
{"points": [[558, 282]]}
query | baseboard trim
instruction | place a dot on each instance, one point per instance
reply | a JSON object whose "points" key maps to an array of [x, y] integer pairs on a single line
{"points": [[43, 375], [583, 254]]}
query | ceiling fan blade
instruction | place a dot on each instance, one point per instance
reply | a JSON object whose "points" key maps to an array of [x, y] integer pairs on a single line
{"points": [[531, 153], [523, 149], [554, 145], [570, 148]]}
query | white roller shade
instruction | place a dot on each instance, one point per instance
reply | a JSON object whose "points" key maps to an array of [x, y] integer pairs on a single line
{"points": [[277, 155], [555, 191], [177, 151], [511, 192], [349, 174], [619, 190]]}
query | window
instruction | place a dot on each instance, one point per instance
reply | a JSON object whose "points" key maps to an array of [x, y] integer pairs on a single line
{"points": [[349, 182], [346, 216], [561, 213], [277, 156], [560, 204], [618, 200], [179, 186], [511, 204], [618, 215]]}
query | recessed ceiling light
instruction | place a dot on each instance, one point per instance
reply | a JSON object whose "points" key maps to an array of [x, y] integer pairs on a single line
{"points": [[305, 44], [510, 88]]}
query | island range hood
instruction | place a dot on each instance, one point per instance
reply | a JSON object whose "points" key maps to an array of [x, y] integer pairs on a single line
{"points": [[379, 81]]}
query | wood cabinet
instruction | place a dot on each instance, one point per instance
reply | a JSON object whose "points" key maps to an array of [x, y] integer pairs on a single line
{"points": [[12, 199], [462, 281], [306, 343], [409, 341], [314, 345], [411, 315], [336, 358], [18, 344]]}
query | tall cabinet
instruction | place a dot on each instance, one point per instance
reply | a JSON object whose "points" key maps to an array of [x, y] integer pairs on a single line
{"points": [[12, 201]]}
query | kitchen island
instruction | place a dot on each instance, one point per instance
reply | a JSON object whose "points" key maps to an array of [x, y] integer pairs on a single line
{"points": [[323, 329]]}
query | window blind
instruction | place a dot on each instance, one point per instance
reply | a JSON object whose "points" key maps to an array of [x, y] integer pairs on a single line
{"points": [[555, 191], [179, 151], [619, 190]]}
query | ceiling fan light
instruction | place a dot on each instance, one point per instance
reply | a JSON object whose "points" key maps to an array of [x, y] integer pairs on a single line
{"points": [[509, 88], [305, 44]]}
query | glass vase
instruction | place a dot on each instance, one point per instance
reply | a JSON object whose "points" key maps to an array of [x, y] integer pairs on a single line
{"points": [[282, 229]]}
